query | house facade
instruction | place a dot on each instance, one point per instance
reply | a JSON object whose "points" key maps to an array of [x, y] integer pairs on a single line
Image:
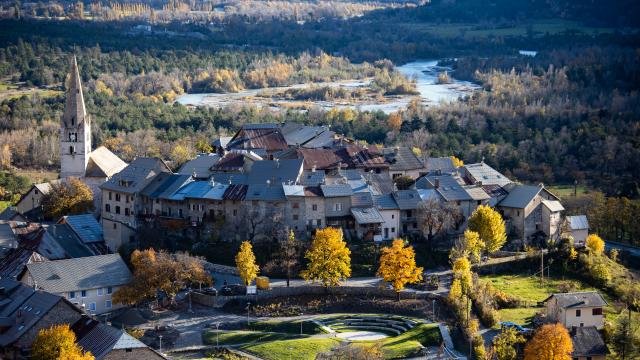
{"points": [[576, 309]]}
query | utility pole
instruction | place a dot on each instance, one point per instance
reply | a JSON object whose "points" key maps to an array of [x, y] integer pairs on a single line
{"points": [[541, 266]]}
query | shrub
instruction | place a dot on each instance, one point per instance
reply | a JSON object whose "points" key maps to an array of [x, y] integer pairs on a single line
{"points": [[568, 286]]}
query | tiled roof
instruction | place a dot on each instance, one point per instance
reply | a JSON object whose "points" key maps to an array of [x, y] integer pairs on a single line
{"points": [[136, 175], [587, 342], [367, 215], [258, 136], [201, 166], [520, 196], [578, 299], [578, 222], [401, 158], [81, 273]]}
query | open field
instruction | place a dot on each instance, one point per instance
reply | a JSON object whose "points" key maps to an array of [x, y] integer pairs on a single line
{"points": [[538, 28], [11, 91], [38, 175], [299, 349], [565, 191]]}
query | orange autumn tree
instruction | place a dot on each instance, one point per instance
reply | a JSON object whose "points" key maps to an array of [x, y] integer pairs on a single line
{"points": [[551, 342], [57, 343], [398, 265]]}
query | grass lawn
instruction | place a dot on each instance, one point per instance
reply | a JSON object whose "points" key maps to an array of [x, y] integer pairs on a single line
{"points": [[291, 327], [38, 176], [522, 316], [243, 337], [298, 349], [408, 343], [565, 191], [527, 287]]}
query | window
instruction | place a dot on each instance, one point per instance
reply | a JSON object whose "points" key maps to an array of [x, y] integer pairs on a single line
{"points": [[109, 195], [296, 205], [581, 324], [337, 207], [107, 304], [117, 209], [597, 311], [92, 306], [117, 197], [578, 313], [107, 208], [100, 292], [518, 213], [83, 293], [408, 213], [72, 295], [126, 211], [179, 212], [126, 199], [295, 217], [115, 226], [235, 212], [109, 290], [393, 216], [314, 207], [393, 229], [479, 202], [72, 150]]}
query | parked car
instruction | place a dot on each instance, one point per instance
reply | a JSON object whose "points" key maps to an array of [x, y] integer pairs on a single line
{"points": [[210, 291], [231, 290], [520, 329]]}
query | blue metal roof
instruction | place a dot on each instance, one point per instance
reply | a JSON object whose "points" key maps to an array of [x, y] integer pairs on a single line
{"points": [[336, 190], [578, 222], [86, 227]]}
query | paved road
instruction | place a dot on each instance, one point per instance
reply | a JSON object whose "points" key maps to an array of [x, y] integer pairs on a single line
{"points": [[614, 245]]}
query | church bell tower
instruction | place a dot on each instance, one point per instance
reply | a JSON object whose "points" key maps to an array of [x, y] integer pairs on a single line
{"points": [[75, 130]]}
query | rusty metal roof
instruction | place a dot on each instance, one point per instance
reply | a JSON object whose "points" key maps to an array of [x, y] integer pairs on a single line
{"points": [[258, 136]]}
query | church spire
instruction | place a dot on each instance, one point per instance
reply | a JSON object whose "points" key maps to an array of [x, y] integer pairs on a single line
{"points": [[74, 110]]}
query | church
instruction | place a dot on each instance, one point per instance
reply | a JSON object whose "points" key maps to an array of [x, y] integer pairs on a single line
{"points": [[77, 159]]}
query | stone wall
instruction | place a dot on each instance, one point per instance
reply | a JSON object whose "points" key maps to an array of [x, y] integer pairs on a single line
{"points": [[219, 301]]}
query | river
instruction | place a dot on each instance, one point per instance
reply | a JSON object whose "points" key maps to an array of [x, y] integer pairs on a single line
{"points": [[425, 74]]}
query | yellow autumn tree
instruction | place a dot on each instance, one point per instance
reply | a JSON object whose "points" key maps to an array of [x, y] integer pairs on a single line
{"points": [[488, 223], [57, 343], [470, 247], [246, 263], [395, 121], [67, 198], [595, 244], [398, 265], [329, 258], [457, 162], [550, 342]]}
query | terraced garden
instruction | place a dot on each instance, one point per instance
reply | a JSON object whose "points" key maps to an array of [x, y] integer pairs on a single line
{"points": [[399, 337]]}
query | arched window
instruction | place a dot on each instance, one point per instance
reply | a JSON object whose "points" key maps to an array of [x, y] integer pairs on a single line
{"points": [[73, 121], [72, 150]]}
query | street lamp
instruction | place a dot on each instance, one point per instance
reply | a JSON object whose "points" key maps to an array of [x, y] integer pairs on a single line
{"points": [[248, 308], [160, 336], [433, 309], [217, 334], [301, 321]]}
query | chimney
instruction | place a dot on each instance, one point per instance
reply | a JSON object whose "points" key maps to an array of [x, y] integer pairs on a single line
{"points": [[313, 169], [437, 183], [482, 162], [277, 164]]}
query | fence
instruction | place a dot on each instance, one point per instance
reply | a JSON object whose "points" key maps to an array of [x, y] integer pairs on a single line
{"points": [[219, 301]]}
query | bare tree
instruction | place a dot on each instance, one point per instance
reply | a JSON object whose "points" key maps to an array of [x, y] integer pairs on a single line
{"points": [[435, 216]]}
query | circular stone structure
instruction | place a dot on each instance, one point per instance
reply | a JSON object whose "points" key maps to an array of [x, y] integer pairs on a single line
{"points": [[361, 335]]}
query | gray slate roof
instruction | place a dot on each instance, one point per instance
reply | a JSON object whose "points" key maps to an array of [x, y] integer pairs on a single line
{"points": [[578, 222], [385, 202], [136, 175], [367, 215], [407, 199], [80, 274], [275, 171], [312, 178], [587, 341], [578, 299], [201, 166], [442, 164], [8, 239], [402, 158], [299, 134], [264, 192], [520, 196], [486, 174], [101, 339], [165, 185], [336, 190]]}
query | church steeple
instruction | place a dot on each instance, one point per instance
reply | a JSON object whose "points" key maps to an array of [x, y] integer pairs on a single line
{"points": [[74, 111], [75, 129]]}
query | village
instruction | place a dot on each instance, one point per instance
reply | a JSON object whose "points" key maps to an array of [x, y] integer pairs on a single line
{"points": [[269, 183]]}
